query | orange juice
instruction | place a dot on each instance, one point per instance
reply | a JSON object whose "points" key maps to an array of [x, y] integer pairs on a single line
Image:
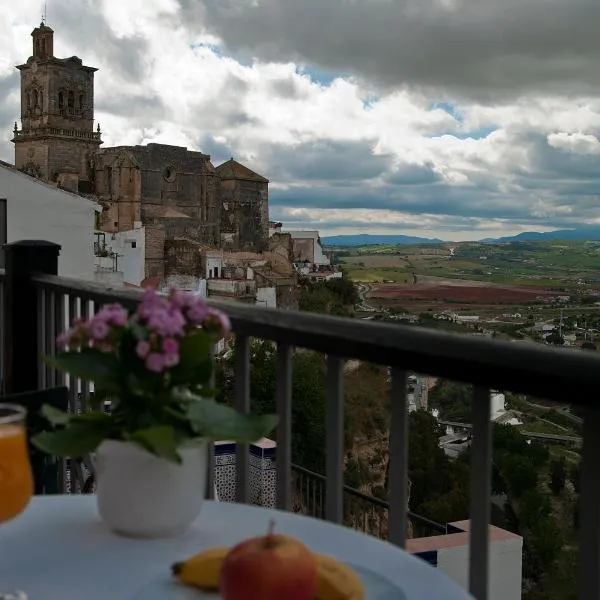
{"points": [[16, 479]]}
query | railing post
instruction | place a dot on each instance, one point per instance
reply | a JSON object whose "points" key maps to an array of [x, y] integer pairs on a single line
{"points": [[21, 318]]}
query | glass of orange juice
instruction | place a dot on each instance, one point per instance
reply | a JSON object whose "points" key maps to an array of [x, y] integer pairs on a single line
{"points": [[16, 478]]}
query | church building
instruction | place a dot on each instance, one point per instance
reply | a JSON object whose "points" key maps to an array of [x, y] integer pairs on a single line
{"points": [[171, 190]]}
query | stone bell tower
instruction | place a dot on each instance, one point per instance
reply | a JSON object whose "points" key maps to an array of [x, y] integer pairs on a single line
{"points": [[57, 139]]}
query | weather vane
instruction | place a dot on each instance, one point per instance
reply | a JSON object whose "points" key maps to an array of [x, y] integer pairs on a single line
{"points": [[44, 14]]}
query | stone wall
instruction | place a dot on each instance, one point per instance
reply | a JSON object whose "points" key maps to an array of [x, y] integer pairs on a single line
{"points": [[155, 251], [182, 257], [164, 184], [245, 214]]}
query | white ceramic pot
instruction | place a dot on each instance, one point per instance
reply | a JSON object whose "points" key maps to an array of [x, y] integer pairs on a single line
{"points": [[142, 495]]}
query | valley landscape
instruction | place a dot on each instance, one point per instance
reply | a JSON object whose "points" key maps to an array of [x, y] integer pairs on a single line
{"points": [[515, 289], [489, 279]]}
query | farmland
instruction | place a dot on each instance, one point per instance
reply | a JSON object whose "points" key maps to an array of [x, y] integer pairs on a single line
{"points": [[491, 276]]}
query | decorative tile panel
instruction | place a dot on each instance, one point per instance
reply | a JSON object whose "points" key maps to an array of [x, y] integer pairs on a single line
{"points": [[262, 483]]}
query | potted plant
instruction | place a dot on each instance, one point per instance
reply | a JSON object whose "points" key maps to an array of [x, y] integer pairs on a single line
{"points": [[150, 449]]}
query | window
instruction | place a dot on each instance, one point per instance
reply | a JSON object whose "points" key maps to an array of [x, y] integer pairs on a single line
{"points": [[81, 101], [169, 174], [61, 100], [28, 101], [71, 101], [134, 244], [35, 99]]}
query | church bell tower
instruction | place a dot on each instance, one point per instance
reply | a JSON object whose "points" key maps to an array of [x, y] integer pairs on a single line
{"points": [[56, 139]]}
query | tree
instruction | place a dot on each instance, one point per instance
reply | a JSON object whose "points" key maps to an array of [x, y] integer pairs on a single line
{"points": [[558, 474], [555, 338], [453, 400], [439, 486], [575, 477], [308, 398]]}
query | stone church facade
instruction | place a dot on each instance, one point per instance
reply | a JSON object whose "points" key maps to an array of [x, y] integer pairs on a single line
{"points": [[172, 191]]}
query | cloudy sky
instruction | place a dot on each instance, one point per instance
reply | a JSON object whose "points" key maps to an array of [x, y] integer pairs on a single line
{"points": [[460, 119]]}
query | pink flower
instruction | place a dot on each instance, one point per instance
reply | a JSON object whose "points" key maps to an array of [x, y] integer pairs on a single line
{"points": [[115, 314], [171, 360], [197, 312], [142, 349], [155, 362], [63, 339], [98, 329], [220, 319], [170, 346]]}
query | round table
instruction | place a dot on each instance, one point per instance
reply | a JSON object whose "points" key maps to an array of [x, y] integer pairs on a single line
{"points": [[58, 549]]}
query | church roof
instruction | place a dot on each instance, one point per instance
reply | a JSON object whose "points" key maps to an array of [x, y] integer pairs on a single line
{"points": [[235, 170]]}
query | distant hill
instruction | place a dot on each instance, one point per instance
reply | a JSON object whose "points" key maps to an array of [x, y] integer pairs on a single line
{"points": [[589, 232], [365, 239], [581, 233]]}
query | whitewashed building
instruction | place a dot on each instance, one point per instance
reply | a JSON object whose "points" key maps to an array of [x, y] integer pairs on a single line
{"points": [[33, 210], [121, 256]]}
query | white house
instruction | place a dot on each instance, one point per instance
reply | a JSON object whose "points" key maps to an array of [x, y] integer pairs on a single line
{"points": [[121, 256], [306, 246], [33, 210]]}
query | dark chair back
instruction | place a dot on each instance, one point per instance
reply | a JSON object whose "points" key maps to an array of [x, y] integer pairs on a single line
{"points": [[47, 470]]}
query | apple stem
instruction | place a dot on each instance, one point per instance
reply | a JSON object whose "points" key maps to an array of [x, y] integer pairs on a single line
{"points": [[269, 538]]}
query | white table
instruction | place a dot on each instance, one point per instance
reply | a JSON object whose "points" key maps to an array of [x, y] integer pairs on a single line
{"points": [[58, 549]]}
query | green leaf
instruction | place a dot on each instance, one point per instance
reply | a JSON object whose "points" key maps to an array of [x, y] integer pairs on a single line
{"points": [[88, 364], [160, 440], [95, 418], [73, 441], [54, 415], [139, 331], [216, 421], [195, 348], [195, 360]]}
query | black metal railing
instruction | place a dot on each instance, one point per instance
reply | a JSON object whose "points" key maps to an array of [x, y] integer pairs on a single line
{"points": [[362, 511], [37, 306]]}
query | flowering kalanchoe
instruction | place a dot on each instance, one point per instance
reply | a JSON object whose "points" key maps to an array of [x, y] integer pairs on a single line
{"points": [[161, 323], [156, 366]]}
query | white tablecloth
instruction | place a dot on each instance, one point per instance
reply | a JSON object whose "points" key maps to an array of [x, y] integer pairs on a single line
{"points": [[58, 549]]}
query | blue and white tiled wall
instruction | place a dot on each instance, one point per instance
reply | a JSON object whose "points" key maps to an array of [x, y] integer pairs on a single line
{"points": [[263, 482]]}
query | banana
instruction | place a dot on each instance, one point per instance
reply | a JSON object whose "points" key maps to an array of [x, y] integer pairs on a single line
{"points": [[202, 569], [336, 580]]}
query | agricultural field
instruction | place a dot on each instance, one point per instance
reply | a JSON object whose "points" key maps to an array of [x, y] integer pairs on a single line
{"points": [[493, 277]]}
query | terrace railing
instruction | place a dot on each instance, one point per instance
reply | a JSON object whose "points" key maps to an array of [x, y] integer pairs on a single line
{"points": [[362, 511], [37, 304]]}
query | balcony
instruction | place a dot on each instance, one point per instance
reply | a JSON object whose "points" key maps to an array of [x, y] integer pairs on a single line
{"points": [[46, 302], [37, 132]]}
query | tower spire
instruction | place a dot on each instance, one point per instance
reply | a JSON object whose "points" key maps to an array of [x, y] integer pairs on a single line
{"points": [[44, 14]]}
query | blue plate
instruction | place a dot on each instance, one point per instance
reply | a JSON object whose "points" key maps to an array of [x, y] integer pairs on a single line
{"points": [[165, 588]]}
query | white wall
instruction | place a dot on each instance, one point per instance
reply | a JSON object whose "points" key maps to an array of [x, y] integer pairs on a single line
{"points": [[319, 257], [505, 567], [131, 246], [266, 297], [39, 211]]}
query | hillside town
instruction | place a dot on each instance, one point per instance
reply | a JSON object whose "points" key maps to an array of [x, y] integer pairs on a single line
{"points": [[157, 215]]}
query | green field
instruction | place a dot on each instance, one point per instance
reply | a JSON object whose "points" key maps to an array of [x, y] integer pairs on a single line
{"points": [[547, 264]]}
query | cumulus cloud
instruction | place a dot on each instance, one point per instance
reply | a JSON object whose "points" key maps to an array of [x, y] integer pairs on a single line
{"points": [[479, 48], [452, 118]]}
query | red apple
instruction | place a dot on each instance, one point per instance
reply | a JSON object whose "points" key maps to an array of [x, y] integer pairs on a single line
{"points": [[269, 567]]}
